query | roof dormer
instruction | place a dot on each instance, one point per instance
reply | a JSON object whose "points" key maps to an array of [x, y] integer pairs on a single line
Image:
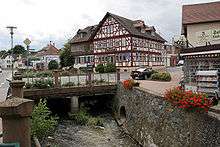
{"points": [[151, 30]]}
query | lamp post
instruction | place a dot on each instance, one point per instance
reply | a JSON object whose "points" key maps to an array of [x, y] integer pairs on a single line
{"points": [[11, 29]]}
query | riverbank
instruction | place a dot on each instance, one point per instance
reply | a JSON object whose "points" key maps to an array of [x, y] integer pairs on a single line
{"points": [[69, 134]]}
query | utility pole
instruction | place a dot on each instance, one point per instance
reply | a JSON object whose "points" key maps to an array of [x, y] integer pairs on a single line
{"points": [[11, 29]]}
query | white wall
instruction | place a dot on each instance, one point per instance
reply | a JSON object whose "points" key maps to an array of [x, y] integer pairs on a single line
{"points": [[194, 30]]}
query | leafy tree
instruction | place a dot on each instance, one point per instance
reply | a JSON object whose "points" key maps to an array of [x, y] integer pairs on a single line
{"points": [[19, 50], [42, 122], [53, 64], [66, 58], [3, 53]]}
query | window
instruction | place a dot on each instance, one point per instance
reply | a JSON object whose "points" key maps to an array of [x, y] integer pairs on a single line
{"points": [[88, 59], [123, 42], [124, 57], [79, 60]]}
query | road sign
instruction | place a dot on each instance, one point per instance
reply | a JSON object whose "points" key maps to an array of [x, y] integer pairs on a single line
{"points": [[27, 42]]}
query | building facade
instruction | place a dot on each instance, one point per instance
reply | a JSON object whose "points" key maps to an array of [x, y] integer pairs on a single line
{"points": [[45, 55], [118, 40], [171, 55], [201, 27]]}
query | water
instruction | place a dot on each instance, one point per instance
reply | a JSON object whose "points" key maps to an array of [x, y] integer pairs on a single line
{"points": [[69, 134]]}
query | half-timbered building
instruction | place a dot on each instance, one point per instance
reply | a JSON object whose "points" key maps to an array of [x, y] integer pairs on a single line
{"points": [[118, 40]]}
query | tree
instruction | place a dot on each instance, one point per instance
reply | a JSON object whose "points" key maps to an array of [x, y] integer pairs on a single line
{"points": [[19, 50], [66, 58], [53, 64], [3, 53], [42, 121]]}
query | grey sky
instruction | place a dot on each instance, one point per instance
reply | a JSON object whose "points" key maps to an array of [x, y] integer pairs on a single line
{"points": [[58, 20]]}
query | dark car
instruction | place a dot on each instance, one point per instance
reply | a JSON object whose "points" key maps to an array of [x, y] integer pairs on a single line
{"points": [[141, 73]]}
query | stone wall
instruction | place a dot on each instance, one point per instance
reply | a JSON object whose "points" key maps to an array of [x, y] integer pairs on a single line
{"points": [[152, 121]]}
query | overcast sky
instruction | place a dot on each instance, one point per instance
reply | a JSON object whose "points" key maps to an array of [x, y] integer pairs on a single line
{"points": [[58, 20]]}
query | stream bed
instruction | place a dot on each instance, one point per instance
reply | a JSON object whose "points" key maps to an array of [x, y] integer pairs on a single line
{"points": [[68, 134]]}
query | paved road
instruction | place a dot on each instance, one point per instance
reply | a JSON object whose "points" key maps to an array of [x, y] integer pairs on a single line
{"points": [[161, 87]]}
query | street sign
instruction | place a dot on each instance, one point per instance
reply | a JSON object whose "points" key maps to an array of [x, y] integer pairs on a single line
{"points": [[27, 42]]}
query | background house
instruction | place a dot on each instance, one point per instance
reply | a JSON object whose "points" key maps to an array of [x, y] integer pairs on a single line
{"points": [[171, 56], [45, 55], [6, 62]]}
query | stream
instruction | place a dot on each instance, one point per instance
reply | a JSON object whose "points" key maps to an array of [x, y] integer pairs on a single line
{"points": [[69, 134]]}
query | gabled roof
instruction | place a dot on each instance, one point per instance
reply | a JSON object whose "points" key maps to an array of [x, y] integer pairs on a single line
{"points": [[87, 32], [199, 13], [48, 50], [129, 25], [90, 31]]}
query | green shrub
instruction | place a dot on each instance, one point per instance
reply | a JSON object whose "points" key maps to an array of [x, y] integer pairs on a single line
{"points": [[29, 74], [53, 64], [84, 118], [109, 67], [42, 83], [100, 68], [43, 74], [161, 76], [95, 121], [42, 122], [38, 74], [81, 117], [165, 76], [28, 85]]}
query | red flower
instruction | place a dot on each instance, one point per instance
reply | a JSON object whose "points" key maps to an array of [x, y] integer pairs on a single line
{"points": [[187, 99]]}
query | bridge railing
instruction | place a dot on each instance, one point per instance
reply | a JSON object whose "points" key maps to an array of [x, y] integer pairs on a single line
{"points": [[74, 79], [88, 79]]}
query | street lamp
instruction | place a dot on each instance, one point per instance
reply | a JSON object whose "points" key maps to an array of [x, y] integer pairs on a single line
{"points": [[11, 29]]}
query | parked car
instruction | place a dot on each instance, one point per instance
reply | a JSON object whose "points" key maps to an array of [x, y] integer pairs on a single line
{"points": [[141, 73], [0, 70], [180, 63]]}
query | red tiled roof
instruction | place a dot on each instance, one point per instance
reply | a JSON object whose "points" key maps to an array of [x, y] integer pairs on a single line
{"points": [[198, 13], [48, 50]]}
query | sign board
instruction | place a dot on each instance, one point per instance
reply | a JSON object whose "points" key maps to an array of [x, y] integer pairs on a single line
{"points": [[27, 42], [208, 36], [179, 40]]}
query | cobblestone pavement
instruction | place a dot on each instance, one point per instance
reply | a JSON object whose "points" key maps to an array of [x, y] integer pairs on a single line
{"points": [[160, 87]]}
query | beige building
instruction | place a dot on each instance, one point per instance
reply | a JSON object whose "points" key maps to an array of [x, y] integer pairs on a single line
{"points": [[201, 27], [201, 24]]}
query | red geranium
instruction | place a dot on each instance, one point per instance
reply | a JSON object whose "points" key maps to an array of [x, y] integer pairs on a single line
{"points": [[187, 99], [128, 84]]}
